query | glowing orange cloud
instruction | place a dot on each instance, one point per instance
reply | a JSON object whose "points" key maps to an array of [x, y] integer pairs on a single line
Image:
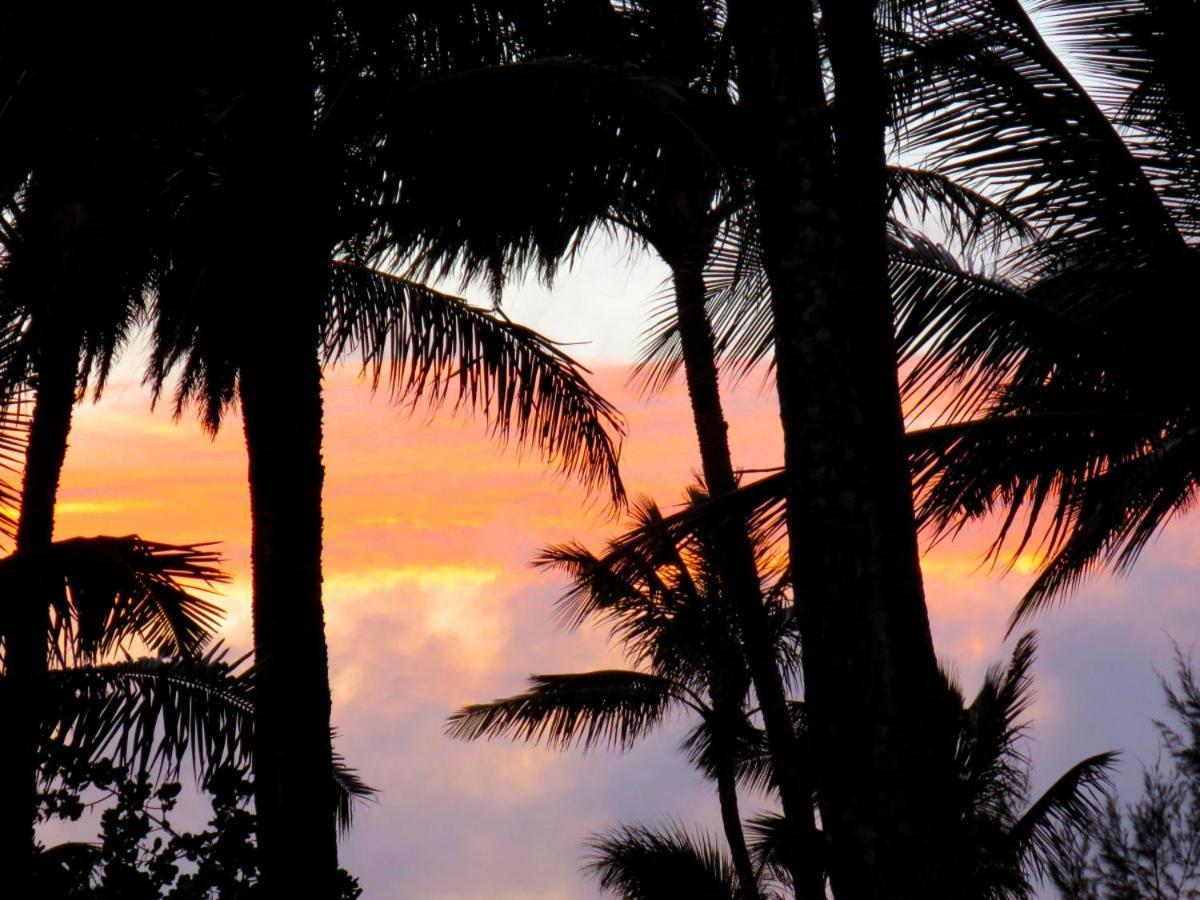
{"points": [[431, 603]]}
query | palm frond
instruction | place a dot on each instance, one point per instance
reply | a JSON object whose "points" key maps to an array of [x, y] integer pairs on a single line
{"points": [[1115, 514], [964, 215], [1137, 53], [528, 390], [611, 708], [990, 101], [154, 712], [636, 862], [349, 791], [1084, 478], [600, 590], [1072, 803], [965, 333], [752, 757], [109, 590], [991, 766], [768, 836], [939, 302]]}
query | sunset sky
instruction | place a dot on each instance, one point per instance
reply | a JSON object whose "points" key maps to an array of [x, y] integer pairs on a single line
{"points": [[431, 603]]}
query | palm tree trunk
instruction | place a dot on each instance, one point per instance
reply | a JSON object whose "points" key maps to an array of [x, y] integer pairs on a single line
{"points": [[25, 649], [737, 567], [280, 392], [869, 665], [731, 822], [279, 181]]}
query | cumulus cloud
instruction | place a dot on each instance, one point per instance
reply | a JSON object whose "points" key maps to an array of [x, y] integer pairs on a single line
{"points": [[431, 604]]}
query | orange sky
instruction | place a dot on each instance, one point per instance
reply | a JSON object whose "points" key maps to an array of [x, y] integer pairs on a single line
{"points": [[431, 604]]}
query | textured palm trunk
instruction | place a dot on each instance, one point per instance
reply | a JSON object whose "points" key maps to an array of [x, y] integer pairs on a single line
{"points": [[25, 650], [278, 178], [737, 567], [280, 392], [731, 824], [870, 671]]}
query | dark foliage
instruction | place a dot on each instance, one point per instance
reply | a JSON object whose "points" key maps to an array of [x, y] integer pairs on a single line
{"points": [[139, 853]]}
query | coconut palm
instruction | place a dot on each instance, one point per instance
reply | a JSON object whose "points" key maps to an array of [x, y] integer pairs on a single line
{"points": [[669, 609], [530, 390], [1067, 411], [76, 194], [251, 312], [648, 123], [682, 193], [871, 680], [1006, 842]]}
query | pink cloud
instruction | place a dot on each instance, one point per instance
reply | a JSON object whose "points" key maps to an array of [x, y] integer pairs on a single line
{"points": [[431, 603]]}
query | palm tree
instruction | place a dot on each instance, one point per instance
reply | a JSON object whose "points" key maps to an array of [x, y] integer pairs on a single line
{"points": [[80, 199], [871, 680], [235, 102], [678, 190], [250, 311], [1062, 373], [669, 608], [1006, 841], [650, 116]]}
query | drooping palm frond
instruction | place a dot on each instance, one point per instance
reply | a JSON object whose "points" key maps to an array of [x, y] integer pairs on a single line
{"points": [[423, 342], [109, 590], [611, 708], [1138, 56], [1084, 477], [990, 765], [1072, 803], [157, 713], [962, 332], [635, 862], [972, 220], [154, 712], [985, 94], [349, 791]]}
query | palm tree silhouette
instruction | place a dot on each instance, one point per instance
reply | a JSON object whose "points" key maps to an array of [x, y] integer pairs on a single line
{"points": [[77, 194], [1060, 374], [871, 679], [681, 629], [216, 153], [679, 190], [1005, 840], [641, 103], [251, 312]]}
